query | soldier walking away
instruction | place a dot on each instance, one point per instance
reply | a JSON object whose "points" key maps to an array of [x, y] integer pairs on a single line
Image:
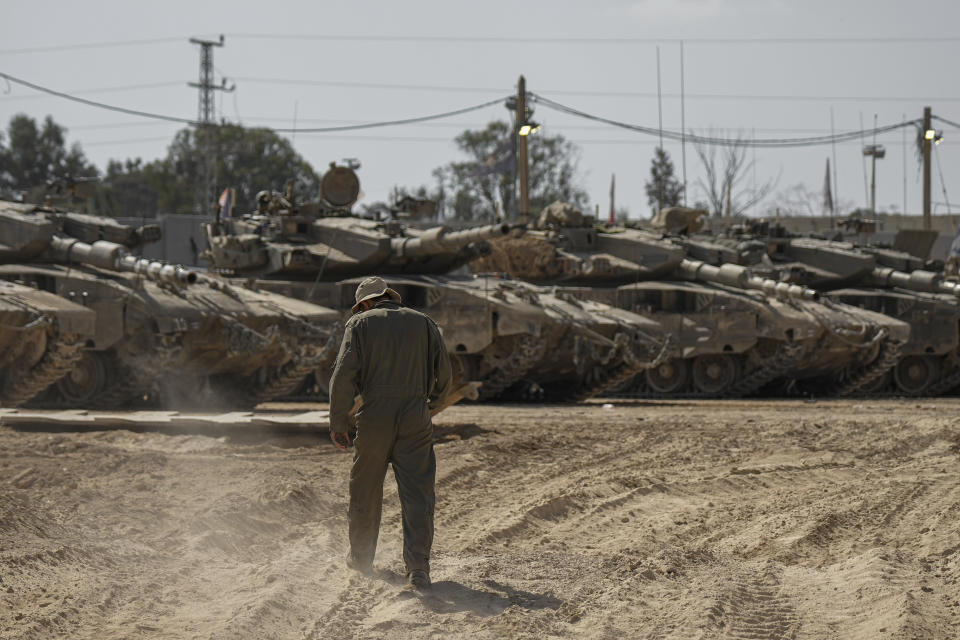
{"points": [[395, 359]]}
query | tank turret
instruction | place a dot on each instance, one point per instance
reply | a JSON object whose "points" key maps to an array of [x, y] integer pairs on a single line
{"points": [[27, 229]]}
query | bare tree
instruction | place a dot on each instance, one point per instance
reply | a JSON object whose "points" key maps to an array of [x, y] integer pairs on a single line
{"points": [[801, 200], [723, 183]]}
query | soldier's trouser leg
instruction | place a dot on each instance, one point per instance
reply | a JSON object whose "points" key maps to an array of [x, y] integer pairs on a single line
{"points": [[415, 468], [372, 450]]}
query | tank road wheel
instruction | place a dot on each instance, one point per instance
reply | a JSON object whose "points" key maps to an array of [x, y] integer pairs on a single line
{"points": [[914, 374], [715, 373], [670, 377], [87, 379]]}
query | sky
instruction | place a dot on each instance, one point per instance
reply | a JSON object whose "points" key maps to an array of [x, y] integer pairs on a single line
{"points": [[750, 68]]}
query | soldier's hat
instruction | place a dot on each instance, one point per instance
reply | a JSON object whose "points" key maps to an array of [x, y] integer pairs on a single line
{"points": [[373, 287]]}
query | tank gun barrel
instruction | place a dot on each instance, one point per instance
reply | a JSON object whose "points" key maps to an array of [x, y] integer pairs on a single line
{"points": [[918, 280], [735, 275], [441, 239], [114, 257]]}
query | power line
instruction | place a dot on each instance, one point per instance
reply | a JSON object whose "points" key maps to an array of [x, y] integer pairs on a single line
{"points": [[157, 116], [494, 40], [92, 45], [97, 143], [672, 135], [586, 92], [713, 140], [390, 123], [128, 87], [381, 86], [945, 121], [434, 125], [563, 40], [366, 85], [99, 105], [116, 125]]}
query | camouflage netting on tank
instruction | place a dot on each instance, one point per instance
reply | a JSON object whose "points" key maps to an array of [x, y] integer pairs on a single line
{"points": [[561, 214], [525, 256]]}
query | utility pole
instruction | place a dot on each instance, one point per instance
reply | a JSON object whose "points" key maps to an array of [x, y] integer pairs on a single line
{"points": [[523, 168], [874, 151], [205, 118], [928, 135], [612, 219]]}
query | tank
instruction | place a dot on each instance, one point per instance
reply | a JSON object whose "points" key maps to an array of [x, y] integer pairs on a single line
{"points": [[163, 334], [735, 332], [323, 241], [881, 279], [519, 340], [514, 338]]}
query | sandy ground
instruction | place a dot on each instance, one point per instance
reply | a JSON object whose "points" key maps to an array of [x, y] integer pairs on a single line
{"points": [[648, 520]]}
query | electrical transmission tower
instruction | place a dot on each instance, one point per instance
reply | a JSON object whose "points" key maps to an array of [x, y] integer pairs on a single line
{"points": [[205, 133]]}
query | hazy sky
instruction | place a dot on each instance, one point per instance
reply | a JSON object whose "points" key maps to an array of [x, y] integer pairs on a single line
{"points": [[766, 68]]}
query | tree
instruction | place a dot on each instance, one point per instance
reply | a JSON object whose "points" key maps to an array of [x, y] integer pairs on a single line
{"points": [[249, 160], [130, 188], [482, 187], [800, 200], [35, 155], [663, 189], [722, 185]]}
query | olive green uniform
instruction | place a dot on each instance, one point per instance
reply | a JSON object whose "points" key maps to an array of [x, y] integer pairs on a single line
{"points": [[395, 358]]}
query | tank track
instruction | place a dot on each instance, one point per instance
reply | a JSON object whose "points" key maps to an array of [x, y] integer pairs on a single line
{"points": [[887, 358], [945, 384], [127, 386], [780, 363], [57, 361], [527, 353], [628, 367], [289, 378]]}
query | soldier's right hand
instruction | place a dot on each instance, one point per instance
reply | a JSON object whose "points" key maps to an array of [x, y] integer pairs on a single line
{"points": [[341, 440]]}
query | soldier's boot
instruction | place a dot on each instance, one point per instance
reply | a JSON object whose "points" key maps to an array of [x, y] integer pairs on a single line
{"points": [[419, 579], [359, 564]]}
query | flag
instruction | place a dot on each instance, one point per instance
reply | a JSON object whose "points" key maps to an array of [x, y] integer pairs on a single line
{"points": [[226, 202], [827, 191]]}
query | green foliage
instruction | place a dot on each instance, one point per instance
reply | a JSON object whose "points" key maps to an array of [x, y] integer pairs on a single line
{"points": [[130, 188], [32, 155], [249, 160], [663, 189], [482, 187]]}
